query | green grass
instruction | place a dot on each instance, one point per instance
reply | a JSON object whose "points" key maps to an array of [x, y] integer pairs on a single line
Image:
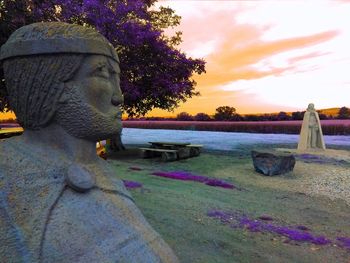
{"points": [[177, 210]]}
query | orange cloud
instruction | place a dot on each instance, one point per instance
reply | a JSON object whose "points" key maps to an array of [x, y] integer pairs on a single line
{"points": [[239, 46], [305, 57], [232, 62], [236, 49]]}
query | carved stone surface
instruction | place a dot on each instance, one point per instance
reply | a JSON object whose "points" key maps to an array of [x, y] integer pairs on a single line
{"points": [[272, 164], [311, 136], [59, 202]]}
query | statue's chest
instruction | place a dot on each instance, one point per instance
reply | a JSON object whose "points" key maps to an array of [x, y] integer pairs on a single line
{"points": [[93, 227]]}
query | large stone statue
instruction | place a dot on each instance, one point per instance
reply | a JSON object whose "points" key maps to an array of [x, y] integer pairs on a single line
{"points": [[311, 136], [59, 202]]}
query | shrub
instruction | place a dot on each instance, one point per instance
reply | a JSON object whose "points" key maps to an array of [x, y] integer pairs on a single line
{"points": [[202, 117], [224, 113], [184, 116], [344, 113], [329, 127]]}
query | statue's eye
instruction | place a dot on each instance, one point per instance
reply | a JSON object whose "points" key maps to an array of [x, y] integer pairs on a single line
{"points": [[112, 72], [101, 68], [102, 71]]}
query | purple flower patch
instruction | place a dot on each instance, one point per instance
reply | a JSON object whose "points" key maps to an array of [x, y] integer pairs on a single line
{"points": [[251, 225], [265, 218], [225, 217], [219, 183], [134, 168], [304, 228], [187, 176], [310, 158], [298, 234], [344, 242], [131, 184]]}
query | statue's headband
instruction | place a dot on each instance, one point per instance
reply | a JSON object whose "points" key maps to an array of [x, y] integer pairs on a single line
{"points": [[54, 38]]}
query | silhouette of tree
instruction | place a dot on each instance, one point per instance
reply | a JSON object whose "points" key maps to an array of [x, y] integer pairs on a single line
{"points": [[155, 74], [184, 116], [224, 113], [344, 113], [282, 116], [202, 117], [298, 115], [252, 117]]}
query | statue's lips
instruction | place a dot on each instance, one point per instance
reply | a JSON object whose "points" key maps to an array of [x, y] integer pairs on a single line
{"points": [[114, 112]]}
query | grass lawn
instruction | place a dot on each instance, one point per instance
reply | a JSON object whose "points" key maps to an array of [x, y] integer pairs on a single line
{"points": [[178, 210]]}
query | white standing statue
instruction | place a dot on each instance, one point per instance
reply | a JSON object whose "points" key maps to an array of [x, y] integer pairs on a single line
{"points": [[311, 136]]}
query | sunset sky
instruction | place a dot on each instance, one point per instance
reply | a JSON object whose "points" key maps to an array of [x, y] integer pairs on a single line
{"points": [[266, 56]]}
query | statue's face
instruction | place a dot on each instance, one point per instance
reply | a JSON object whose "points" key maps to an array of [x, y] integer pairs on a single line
{"points": [[90, 107], [311, 107]]}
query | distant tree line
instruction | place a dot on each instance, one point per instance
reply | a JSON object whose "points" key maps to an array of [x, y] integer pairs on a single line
{"points": [[227, 113]]}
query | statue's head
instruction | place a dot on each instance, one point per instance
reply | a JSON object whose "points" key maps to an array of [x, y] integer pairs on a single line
{"points": [[311, 107], [63, 73]]}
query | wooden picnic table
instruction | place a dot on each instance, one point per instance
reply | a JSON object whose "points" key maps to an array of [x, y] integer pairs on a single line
{"points": [[169, 150], [166, 154]]}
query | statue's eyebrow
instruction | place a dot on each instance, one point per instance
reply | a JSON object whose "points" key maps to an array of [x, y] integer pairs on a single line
{"points": [[106, 64], [93, 68], [112, 68], [99, 64]]}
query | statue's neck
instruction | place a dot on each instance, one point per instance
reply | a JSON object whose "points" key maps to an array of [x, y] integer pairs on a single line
{"points": [[54, 138]]}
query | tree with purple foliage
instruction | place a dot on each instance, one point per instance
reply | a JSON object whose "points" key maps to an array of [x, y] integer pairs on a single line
{"points": [[155, 74]]}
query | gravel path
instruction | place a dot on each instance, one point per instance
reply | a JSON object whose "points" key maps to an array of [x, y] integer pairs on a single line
{"points": [[327, 180], [324, 173]]}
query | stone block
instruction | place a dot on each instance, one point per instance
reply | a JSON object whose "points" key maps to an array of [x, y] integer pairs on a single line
{"points": [[271, 163]]}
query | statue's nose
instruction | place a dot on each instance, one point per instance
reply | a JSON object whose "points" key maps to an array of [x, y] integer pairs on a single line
{"points": [[117, 100]]}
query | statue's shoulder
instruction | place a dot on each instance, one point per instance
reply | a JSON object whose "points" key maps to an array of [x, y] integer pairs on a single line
{"points": [[8, 155], [110, 179], [16, 156], [22, 164]]}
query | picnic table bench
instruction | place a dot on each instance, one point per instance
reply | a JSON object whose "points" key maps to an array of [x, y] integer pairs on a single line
{"points": [[171, 151], [195, 149], [166, 154], [169, 144]]}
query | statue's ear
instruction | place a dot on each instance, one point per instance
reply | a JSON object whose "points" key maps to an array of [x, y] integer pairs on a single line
{"points": [[64, 95], [63, 98]]}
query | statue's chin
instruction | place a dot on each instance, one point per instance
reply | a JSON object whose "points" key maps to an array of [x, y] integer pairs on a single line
{"points": [[95, 135], [93, 131], [86, 122], [105, 136]]}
